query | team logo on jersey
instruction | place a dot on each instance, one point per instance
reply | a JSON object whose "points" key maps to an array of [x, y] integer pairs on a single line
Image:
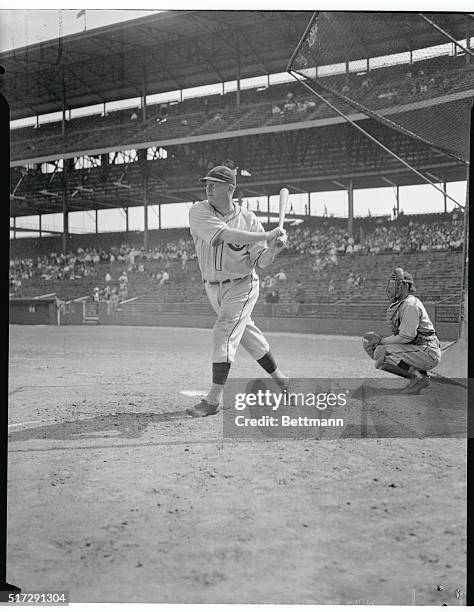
{"points": [[235, 247]]}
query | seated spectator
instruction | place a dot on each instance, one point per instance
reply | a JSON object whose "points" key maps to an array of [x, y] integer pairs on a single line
{"points": [[163, 113], [108, 277], [280, 276], [164, 278], [133, 117], [184, 259], [318, 264], [17, 285], [332, 286], [290, 104], [309, 105]]}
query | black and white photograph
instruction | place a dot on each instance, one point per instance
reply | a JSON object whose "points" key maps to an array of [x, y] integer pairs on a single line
{"points": [[238, 305]]}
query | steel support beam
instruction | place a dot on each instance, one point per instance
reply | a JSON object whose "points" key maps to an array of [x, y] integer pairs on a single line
{"points": [[63, 116], [39, 226], [143, 165], [144, 93], [468, 38], [268, 209], [67, 167], [145, 212], [238, 71], [350, 201], [65, 220]]}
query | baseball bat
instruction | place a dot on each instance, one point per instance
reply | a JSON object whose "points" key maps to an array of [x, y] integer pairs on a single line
{"points": [[284, 193], [283, 203]]}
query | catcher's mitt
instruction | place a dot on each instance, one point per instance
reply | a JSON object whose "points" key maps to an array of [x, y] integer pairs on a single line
{"points": [[370, 341]]}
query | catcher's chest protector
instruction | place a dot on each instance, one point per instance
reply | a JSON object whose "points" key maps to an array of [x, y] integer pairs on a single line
{"points": [[393, 315]]}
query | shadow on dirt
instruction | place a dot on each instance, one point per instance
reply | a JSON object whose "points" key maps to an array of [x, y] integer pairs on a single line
{"points": [[364, 392], [118, 425]]}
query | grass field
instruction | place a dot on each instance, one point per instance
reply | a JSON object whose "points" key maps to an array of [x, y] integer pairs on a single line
{"points": [[117, 496]]}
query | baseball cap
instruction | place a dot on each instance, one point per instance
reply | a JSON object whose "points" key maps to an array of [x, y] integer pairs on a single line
{"points": [[222, 174]]}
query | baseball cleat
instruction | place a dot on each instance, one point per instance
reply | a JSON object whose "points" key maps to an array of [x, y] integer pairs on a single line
{"points": [[416, 385], [203, 409], [283, 383]]}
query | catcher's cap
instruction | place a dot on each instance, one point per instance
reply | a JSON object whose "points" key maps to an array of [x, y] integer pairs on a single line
{"points": [[400, 274], [221, 174]]}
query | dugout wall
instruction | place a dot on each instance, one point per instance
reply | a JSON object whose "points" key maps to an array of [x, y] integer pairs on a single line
{"points": [[33, 311]]}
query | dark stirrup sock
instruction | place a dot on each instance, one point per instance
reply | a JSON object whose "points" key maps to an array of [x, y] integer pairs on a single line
{"points": [[220, 372], [268, 363], [403, 365]]}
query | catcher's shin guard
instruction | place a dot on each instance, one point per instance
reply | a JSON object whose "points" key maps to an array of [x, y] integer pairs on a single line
{"points": [[394, 369]]}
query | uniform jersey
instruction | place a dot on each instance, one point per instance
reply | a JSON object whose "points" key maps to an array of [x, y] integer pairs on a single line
{"points": [[408, 318], [219, 260]]}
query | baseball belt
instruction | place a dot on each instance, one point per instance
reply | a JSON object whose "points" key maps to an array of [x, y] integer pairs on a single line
{"points": [[227, 280]]}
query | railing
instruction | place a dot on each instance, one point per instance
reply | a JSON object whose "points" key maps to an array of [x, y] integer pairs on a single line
{"points": [[444, 313]]}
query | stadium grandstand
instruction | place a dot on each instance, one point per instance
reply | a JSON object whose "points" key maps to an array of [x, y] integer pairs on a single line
{"points": [[273, 133]]}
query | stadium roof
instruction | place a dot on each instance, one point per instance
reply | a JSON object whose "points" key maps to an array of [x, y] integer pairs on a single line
{"points": [[176, 50], [169, 51]]}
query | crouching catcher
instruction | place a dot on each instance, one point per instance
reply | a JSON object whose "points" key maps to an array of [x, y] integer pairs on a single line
{"points": [[413, 347]]}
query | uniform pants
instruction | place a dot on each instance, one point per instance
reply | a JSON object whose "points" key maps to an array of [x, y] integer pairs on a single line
{"points": [[421, 357], [233, 303]]}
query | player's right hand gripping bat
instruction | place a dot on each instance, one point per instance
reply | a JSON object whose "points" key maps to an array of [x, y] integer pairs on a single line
{"points": [[283, 203]]}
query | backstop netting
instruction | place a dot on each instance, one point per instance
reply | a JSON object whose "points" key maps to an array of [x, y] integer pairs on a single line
{"points": [[405, 80], [413, 72]]}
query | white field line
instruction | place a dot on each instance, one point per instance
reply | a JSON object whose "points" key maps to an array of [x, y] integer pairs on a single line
{"points": [[26, 423]]}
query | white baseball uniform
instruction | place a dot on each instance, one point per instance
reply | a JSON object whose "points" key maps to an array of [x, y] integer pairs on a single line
{"points": [[230, 280]]}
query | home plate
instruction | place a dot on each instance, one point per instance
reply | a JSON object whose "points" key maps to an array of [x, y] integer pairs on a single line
{"points": [[192, 393]]}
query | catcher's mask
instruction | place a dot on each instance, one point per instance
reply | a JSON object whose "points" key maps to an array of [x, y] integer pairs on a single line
{"points": [[399, 279]]}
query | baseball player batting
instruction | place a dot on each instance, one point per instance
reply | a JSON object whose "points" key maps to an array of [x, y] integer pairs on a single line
{"points": [[230, 241], [413, 347]]}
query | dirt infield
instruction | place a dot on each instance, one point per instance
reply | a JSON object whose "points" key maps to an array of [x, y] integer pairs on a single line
{"points": [[117, 496]]}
